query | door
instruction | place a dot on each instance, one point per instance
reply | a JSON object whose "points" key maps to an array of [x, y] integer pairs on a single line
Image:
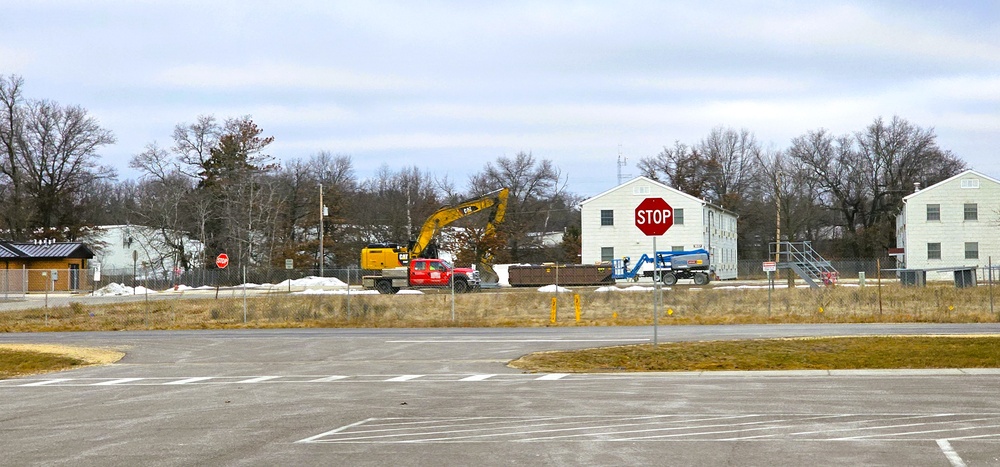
{"points": [[74, 276]]}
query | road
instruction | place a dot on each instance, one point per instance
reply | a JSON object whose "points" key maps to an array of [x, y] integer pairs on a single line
{"points": [[446, 397]]}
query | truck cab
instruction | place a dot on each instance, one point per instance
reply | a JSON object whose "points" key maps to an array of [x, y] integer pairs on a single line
{"points": [[421, 273]]}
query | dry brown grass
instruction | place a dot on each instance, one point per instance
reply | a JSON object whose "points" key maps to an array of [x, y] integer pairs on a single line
{"points": [[29, 359], [522, 307], [836, 353]]}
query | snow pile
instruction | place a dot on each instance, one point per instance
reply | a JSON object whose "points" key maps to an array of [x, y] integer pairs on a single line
{"points": [[553, 288], [334, 292], [313, 281], [632, 288], [115, 288]]}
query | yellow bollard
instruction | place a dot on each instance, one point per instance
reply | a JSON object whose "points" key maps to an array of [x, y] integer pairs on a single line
{"points": [[553, 310], [576, 305]]}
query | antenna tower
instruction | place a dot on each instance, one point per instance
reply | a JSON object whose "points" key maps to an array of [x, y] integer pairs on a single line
{"points": [[622, 161]]}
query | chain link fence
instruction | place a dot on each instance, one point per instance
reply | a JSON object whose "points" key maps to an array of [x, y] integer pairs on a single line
{"points": [[752, 269]]}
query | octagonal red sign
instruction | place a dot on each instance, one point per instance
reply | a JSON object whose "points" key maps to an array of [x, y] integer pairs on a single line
{"points": [[222, 261], [654, 216]]}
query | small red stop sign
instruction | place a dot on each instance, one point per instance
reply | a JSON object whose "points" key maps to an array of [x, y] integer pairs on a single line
{"points": [[222, 261], [654, 216]]}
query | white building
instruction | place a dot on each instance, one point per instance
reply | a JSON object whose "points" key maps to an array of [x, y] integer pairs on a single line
{"points": [[608, 228], [114, 246], [950, 224]]}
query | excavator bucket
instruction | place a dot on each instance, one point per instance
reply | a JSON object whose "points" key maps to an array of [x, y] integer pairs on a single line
{"points": [[488, 276]]}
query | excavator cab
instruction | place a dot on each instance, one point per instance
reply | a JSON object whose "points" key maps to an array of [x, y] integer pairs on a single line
{"points": [[383, 256]]}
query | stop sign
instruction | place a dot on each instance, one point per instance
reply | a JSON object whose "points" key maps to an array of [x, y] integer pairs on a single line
{"points": [[222, 261], [653, 216]]}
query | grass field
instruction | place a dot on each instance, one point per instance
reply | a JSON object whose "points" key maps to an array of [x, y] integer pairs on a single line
{"points": [[523, 307]]}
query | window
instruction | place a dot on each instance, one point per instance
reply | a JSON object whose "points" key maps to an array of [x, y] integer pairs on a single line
{"points": [[677, 248], [971, 212], [679, 216], [933, 251], [970, 183], [971, 250], [607, 254], [607, 217], [933, 212], [640, 190]]}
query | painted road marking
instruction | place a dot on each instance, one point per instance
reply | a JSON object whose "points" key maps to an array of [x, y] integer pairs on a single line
{"points": [[551, 377], [328, 379], [648, 428], [190, 380], [477, 378], [508, 341], [399, 379], [118, 381], [258, 379], [949, 452], [45, 382]]}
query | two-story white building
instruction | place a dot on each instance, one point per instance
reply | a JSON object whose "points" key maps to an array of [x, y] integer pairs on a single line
{"points": [[950, 224], [608, 228]]}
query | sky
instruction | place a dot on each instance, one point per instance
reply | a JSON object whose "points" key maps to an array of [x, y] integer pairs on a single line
{"points": [[449, 86]]}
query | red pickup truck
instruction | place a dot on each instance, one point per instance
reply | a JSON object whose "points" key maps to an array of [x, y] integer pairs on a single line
{"points": [[422, 272]]}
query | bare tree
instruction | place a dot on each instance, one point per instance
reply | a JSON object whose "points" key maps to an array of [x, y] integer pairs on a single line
{"points": [[49, 161], [533, 186], [731, 157], [681, 167], [864, 176]]}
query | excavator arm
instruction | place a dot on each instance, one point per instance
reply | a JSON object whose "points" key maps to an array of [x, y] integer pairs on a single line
{"points": [[448, 214], [382, 256]]}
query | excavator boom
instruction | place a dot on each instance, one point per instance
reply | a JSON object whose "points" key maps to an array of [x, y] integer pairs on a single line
{"points": [[448, 214], [382, 256]]}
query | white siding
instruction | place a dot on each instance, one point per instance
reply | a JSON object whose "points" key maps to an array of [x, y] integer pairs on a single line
{"points": [[952, 231], [627, 240]]}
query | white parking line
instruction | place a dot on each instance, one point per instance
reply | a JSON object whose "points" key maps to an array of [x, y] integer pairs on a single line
{"points": [[403, 378], [46, 382], [117, 381], [477, 378], [552, 377], [508, 341], [327, 379], [334, 431], [190, 380], [257, 379], [949, 452]]}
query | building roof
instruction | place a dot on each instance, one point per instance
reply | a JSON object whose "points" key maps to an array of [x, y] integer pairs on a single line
{"points": [[661, 185], [27, 250], [942, 182]]}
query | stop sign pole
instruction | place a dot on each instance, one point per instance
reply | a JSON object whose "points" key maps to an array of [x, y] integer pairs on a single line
{"points": [[653, 216]]}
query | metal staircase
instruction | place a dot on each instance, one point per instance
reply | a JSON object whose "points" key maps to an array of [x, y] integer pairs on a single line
{"points": [[805, 261]]}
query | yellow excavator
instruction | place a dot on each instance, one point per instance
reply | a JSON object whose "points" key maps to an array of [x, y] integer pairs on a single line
{"points": [[379, 256]]}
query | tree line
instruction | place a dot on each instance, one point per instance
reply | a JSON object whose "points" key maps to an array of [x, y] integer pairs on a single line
{"points": [[216, 182]]}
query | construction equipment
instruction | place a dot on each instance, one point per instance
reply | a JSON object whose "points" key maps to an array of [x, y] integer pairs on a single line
{"points": [[670, 265], [423, 273], [390, 255]]}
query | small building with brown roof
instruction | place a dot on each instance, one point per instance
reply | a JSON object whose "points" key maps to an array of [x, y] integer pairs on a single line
{"points": [[30, 266]]}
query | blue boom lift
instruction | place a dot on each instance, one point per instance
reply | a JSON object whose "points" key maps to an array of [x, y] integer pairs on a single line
{"points": [[672, 265]]}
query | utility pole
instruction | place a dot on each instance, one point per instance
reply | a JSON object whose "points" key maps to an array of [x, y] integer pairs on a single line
{"points": [[321, 219]]}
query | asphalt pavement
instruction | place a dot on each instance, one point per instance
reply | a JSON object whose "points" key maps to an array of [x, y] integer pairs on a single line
{"points": [[446, 397]]}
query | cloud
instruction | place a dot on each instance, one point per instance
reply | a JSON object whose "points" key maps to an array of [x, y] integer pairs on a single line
{"points": [[279, 75]]}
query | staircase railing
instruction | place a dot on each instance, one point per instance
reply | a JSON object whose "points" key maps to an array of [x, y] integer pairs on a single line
{"points": [[805, 261]]}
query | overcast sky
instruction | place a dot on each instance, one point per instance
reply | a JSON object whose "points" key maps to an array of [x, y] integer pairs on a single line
{"points": [[449, 86]]}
